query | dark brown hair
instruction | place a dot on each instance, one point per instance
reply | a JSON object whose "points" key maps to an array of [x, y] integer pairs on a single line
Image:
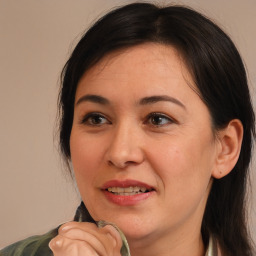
{"points": [[220, 76]]}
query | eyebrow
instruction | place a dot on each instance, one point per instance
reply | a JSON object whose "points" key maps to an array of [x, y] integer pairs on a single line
{"points": [[93, 98], [144, 101], [158, 98]]}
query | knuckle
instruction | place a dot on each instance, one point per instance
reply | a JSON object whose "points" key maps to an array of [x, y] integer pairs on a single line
{"points": [[56, 243]]}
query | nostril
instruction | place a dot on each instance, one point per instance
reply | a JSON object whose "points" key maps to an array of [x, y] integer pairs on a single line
{"points": [[117, 164], [130, 163], [121, 164], [110, 163]]}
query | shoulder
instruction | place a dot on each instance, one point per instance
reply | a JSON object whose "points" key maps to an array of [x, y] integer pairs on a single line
{"points": [[38, 245], [32, 246]]}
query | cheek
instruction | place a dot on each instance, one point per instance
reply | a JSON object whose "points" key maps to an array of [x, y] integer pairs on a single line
{"points": [[183, 169], [85, 156], [185, 182]]}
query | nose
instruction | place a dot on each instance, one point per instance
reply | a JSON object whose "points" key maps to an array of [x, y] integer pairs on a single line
{"points": [[126, 147]]}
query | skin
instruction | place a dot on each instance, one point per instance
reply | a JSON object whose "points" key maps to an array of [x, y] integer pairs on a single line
{"points": [[86, 239], [176, 151]]}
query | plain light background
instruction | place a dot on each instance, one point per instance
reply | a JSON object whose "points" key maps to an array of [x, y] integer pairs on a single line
{"points": [[36, 38]]}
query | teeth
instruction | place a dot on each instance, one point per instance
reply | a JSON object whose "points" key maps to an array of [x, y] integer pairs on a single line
{"points": [[143, 190], [120, 190], [127, 191]]}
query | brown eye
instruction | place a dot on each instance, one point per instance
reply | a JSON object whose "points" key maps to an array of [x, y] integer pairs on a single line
{"points": [[158, 119], [95, 119]]}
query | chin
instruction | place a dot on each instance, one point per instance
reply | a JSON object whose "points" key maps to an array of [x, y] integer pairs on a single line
{"points": [[134, 223], [132, 226]]}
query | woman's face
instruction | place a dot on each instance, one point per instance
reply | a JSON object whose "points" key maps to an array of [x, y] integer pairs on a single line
{"points": [[142, 145]]}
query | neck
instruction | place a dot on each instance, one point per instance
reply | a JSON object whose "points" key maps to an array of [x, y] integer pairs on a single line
{"points": [[184, 245], [178, 242]]}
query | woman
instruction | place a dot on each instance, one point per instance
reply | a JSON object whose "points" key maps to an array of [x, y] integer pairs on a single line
{"points": [[157, 125]]}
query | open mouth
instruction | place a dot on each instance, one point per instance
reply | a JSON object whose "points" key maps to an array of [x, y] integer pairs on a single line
{"points": [[128, 191]]}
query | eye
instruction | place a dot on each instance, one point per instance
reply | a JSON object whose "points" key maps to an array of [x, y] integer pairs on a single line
{"points": [[159, 119], [95, 119]]}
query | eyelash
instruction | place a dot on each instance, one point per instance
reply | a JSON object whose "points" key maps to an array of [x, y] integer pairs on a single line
{"points": [[159, 116], [92, 119], [88, 119]]}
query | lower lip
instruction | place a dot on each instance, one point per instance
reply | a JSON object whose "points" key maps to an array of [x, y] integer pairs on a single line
{"points": [[127, 200]]}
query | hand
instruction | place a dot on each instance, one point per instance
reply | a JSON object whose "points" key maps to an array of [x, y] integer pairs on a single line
{"points": [[86, 239]]}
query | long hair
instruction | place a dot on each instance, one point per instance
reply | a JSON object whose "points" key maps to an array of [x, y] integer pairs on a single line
{"points": [[220, 77]]}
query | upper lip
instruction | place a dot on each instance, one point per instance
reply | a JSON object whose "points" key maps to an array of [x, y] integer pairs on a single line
{"points": [[126, 183]]}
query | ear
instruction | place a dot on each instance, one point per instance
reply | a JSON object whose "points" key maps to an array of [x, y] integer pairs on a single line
{"points": [[228, 150]]}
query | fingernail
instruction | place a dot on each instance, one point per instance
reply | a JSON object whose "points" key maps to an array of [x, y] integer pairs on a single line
{"points": [[65, 228]]}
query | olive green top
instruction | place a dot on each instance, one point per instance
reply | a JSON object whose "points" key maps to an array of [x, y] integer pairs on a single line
{"points": [[32, 246]]}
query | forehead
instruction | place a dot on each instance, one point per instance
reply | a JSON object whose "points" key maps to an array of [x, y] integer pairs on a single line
{"points": [[145, 62]]}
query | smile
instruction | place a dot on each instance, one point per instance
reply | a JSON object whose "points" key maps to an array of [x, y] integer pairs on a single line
{"points": [[128, 191]]}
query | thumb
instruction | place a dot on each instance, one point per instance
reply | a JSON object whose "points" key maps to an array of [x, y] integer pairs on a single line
{"points": [[117, 234]]}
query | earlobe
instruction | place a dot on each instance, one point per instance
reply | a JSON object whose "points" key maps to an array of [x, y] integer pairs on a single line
{"points": [[230, 141]]}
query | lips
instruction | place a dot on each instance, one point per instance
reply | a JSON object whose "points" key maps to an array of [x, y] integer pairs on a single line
{"points": [[127, 192]]}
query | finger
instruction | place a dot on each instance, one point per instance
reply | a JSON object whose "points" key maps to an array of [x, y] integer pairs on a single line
{"points": [[105, 240], [102, 241], [62, 246], [56, 243], [80, 225], [96, 241], [84, 227], [113, 235]]}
